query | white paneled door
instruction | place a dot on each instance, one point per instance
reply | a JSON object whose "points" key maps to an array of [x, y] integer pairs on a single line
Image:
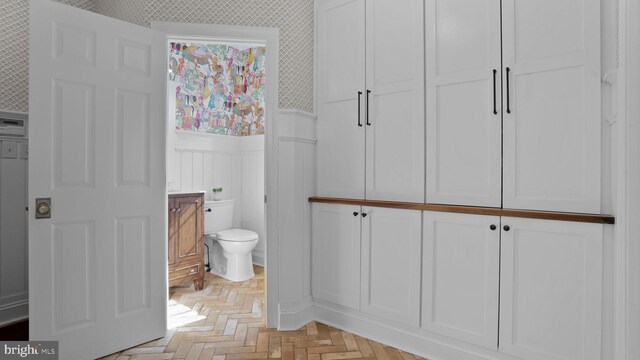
{"points": [[460, 267], [463, 102], [341, 68], [394, 100], [391, 241], [551, 289], [97, 266], [552, 105], [335, 251]]}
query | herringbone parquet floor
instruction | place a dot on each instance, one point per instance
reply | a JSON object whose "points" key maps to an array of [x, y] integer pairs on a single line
{"points": [[225, 322]]}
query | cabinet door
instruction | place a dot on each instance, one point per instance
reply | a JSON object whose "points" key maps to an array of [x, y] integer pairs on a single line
{"points": [[551, 289], [461, 260], [335, 252], [173, 232], [463, 102], [394, 117], [552, 119], [341, 76], [189, 218], [391, 241]]}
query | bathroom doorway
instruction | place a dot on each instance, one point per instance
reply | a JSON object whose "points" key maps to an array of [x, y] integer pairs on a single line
{"points": [[221, 115]]}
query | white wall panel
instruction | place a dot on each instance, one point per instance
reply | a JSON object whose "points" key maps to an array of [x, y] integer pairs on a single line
{"points": [[13, 235]]}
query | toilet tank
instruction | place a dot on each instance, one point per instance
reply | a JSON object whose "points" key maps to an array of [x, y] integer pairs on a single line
{"points": [[220, 217]]}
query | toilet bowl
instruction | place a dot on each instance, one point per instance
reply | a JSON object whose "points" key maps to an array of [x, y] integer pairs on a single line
{"points": [[231, 249]]}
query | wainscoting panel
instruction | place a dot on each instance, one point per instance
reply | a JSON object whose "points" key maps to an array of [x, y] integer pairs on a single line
{"points": [[236, 164]]}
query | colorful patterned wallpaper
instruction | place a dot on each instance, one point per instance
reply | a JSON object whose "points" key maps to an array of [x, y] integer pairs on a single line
{"points": [[219, 88]]}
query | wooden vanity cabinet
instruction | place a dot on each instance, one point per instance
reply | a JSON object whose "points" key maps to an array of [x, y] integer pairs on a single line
{"points": [[186, 239]]}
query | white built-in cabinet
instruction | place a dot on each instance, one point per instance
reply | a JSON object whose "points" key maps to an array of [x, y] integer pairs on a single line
{"points": [[463, 103], [391, 242], [460, 276], [341, 74], [336, 254], [368, 259], [551, 127], [371, 99], [528, 288], [473, 103], [513, 94], [551, 289]]}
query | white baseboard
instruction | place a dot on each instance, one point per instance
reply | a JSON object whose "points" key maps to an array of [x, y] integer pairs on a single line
{"points": [[414, 341], [258, 258], [13, 312], [296, 314]]}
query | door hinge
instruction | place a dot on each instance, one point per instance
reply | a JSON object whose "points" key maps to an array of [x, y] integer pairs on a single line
{"points": [[265, 198]]}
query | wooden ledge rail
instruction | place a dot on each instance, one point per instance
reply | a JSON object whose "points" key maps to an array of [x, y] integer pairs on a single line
{"points": [[548, 215]]}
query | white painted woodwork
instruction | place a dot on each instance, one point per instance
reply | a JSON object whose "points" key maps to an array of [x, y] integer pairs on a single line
{"points": [[335, 254], [460, 277], [296, 183], [552, 135], [463, 134], [551, 289], [95, 270], [395, 76], [13, 231], [341, 74], [391, 242]]}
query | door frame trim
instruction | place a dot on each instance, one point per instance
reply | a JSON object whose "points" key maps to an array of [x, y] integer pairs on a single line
{"points": [[271, 38]]}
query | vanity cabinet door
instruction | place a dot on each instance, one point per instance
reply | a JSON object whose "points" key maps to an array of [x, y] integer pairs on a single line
{"points": [[189, 217], [461, 259], [173, 232], [391, 240], [551, 289], [335, 248]]}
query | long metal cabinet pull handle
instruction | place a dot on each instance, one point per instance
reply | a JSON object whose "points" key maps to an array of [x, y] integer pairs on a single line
{"points": [[495, 110], [359, 95], [367, 114], [508, 108]]}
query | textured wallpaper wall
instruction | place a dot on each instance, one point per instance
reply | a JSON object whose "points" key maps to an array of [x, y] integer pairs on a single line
{"points": [[14, 51], [294, 18]]}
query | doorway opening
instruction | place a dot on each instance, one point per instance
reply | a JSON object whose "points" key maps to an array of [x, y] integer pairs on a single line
{"points": [[221, 96]]}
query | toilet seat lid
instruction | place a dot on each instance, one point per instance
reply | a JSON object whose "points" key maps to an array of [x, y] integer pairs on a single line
{"points": [[236, 235]]}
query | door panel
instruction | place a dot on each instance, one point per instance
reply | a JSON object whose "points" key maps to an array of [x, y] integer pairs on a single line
{"points": [[341, 75], [460, 262], [552, 132], [391, 240], [395, 77], [336, 254], [463, 103], [95, 83], [551, 289]]}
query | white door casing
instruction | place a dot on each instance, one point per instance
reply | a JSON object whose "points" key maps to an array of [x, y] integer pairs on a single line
{"points": [[552, 127], [463, 130], [395, 93], [391, 242], [551, 289], [341, 76], [335, 251], [460, 276], [98, 266]]}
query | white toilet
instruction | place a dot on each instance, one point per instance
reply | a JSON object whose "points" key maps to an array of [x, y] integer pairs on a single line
{"points": [[231, 251]]}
